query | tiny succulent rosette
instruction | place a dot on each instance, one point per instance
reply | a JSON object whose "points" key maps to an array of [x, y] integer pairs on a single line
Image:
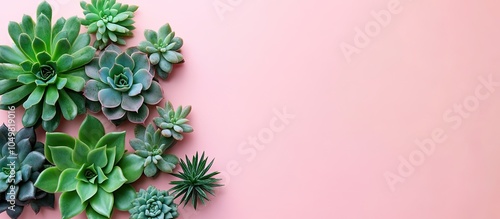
{"points": [[163, 48], [44, 71], [21, 161], [121, 85], [173, 123], [110, 21], [92, 172], [153, 204], [150, 145], [195, 181]]}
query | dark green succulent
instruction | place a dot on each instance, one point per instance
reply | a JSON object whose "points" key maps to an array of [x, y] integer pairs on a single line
{"points": [[195, 181], [150, 145], [163, 48], [21, 161], [173, 123], [93, 172], [44, 71], [109, 21], [153, 204], [121, 85]]}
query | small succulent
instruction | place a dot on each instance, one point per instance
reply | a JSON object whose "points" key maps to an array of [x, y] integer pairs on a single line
{"points": [[173, 123], [195, 181], [44, 71], [21, 161], [153, 204], [163, 49], [150, 145], [121, 85], [108, 20], [92, 172]]}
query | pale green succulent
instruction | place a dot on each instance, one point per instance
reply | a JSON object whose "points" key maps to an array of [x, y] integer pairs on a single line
{"points": [[121, 85], [153, 204], [163, 48], [173, 123], [108, 20]]}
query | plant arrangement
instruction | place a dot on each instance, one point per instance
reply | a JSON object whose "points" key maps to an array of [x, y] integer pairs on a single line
{"points": [[153, 203], [173, 123], [22, 161], [44, 71]]}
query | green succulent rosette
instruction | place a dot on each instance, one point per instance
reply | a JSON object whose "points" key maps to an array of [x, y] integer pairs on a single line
{"points": [[163, 49], [21, 162], [121, 85], [153, 204], [110, 21], [151, 145], [92, 172], [173, 123], [43, 70]]}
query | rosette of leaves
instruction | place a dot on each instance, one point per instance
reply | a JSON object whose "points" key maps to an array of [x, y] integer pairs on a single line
{"points": [[195, 181], [121, 85], [173, 122], [163, 48], [44, 71], [21, 161], [92, 172], [150, 145], [108, 20], [153, 204]]}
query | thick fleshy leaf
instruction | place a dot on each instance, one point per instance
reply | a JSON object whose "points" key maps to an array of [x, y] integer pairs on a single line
{"points": [[68, 107], [26, 191], [135, 90], [71, 204], [139, 131], [83, 56], [151, 36], [102, 202], [74, 83], [61, 156], [125, 60], [173, 57], [140, 116], [98, 157], [178, 43], [154, 94], [164, 31], [92, 89], [57, 139], [10, 55], [42, 57], [42, 29], [39, 47], [86, 190], [58, 26], [72, 27], [10, 71], [131, 167], [79, 101], [51, 125], [113, 113], [34, 159], [123, 196], [52, 95], [7, 85], [92, 69], [91, 130], [143, 77], [109, 98], [48, 179], [62, 47], [165, 65], [35, 97], [67, 180], [141, 61], [107, 59], [80, 152], [114, 139], [168, 163], [131, 104], [81, 41], [115, 181], [48, 111], [45, 9], [150, 170], [32, 115], [28, 25], [25, 43], [17, 94], [61, 82], [64, 63], [92, 214], [137, 144], [111, 155]]}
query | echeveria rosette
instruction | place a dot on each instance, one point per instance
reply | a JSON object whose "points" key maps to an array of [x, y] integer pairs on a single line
{"points": [[150, 145], [153, 204], [121, 85], [108, 20], [163, 48], [44, 71], [21, 162], [195, 181], [92, 172], [173, 122]]}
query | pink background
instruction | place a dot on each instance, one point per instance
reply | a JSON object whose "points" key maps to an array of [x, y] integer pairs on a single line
{"points": [[353, 120]]}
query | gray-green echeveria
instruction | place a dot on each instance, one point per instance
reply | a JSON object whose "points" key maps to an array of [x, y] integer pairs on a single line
{"points": [[43, 70], [108, 20], [173, 122], [21, 161], [93, 172], [121, 85], [153, 204], [163, 48], [150, 145]]}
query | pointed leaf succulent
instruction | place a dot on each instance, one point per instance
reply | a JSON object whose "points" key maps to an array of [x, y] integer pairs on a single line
{"points": [[153, 204], [43, 70], [173, 123]]}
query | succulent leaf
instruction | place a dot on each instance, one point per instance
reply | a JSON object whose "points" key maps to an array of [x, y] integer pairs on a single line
{"points": [[173, 123], [153, 203]]}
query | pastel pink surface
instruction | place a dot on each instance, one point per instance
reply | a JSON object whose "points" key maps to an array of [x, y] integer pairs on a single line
{"points": [[352, 120]]}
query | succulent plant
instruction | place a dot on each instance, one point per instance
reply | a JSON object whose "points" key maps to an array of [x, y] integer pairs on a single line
{"points": [[44, 71], [21, 161], [163, 49], [153, 204], [173, 123], [195, 181], [92, 172], [150, 145], [108, 20], [121, 85]]}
